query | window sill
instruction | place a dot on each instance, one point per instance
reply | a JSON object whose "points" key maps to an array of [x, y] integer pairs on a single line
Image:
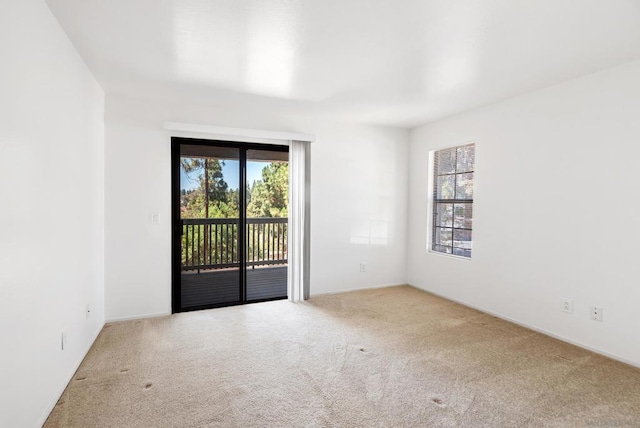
{"points": [[451, 256]]}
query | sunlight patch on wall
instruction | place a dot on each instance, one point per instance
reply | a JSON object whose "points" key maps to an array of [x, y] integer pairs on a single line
{"points": [[370, 232]]}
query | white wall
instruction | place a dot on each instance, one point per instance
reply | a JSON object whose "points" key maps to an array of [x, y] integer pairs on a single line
{"points": [[51, 211], [555, 211], [358, 196]]}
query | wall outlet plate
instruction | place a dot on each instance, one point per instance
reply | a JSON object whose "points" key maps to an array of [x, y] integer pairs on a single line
{"points": [[566, 305], [363, 267], [595, 313]]}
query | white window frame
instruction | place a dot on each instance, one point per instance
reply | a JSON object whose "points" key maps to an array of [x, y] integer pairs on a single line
{"points": [[431, 201]]}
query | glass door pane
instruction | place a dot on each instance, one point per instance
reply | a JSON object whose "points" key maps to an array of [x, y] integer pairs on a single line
{"points": [[210, 222], [267, 211]]}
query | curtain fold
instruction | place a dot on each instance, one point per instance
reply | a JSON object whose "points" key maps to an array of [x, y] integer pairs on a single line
{"points": [[298, 227]]}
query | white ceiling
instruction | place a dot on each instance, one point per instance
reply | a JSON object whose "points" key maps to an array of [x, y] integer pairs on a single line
{"points": [[400, 63]]}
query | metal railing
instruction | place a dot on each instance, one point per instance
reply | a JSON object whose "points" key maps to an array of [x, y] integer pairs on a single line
{"points": [[213, 243]]}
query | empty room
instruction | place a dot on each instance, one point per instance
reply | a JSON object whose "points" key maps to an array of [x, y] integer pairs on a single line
{"points": [[304, 213]]}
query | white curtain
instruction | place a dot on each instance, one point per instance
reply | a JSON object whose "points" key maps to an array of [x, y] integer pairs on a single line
{"points": [[298, 233]]}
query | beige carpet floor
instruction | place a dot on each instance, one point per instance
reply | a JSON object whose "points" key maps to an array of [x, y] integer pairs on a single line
{"points": [[393, 357]]}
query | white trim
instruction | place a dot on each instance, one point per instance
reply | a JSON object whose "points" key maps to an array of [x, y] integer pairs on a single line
{"points": [[203, 136], [367, 287], [138, 317], [532, 328], [451, 256], [430, 185], [53, 403], [235, 133]]}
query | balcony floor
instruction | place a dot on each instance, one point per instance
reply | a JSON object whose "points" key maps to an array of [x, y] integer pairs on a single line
{"points": [[216, 287]]}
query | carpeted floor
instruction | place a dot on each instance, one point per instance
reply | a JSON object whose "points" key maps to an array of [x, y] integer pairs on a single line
{"points": [[393, 357]]}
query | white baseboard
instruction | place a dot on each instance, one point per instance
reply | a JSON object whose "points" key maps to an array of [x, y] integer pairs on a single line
{"points": [[138, 317], [68, 378], [534, 328], [368, 287]]}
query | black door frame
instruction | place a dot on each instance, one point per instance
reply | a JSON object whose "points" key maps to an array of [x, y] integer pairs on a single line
{"points": [[176, 235]]}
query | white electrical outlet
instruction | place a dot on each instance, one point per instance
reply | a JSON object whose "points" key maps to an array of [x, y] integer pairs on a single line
{"points": [[88, 312], [566, 305], [595, 313], [63, 340], [363, 267], [154, 218]]}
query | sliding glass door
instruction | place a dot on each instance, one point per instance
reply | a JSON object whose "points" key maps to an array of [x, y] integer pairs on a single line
{"points": [[210, 225], [230, 223], [267, 208]]}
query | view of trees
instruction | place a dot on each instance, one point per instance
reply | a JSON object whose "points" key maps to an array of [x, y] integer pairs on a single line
{"points": [[208, 245], [221, 201], [267, 197]]}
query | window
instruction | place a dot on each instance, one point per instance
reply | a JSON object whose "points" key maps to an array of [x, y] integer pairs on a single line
{"points": [[453, 200]]}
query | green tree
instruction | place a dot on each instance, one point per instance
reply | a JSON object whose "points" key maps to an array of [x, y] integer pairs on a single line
{"points": [[269, 197], [220, 200]]}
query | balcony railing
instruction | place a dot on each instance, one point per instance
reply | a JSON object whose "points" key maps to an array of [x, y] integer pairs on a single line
{"points": [[213, 243]]}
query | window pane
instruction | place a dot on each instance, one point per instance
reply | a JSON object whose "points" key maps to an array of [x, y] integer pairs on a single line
{"points": [[444, 215], [443, 236], [442, 249], [445, 187], [462, 216], [445, 161], [453, 181], [462, 239], [465, 158], [464, 186], [462, 252]]}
